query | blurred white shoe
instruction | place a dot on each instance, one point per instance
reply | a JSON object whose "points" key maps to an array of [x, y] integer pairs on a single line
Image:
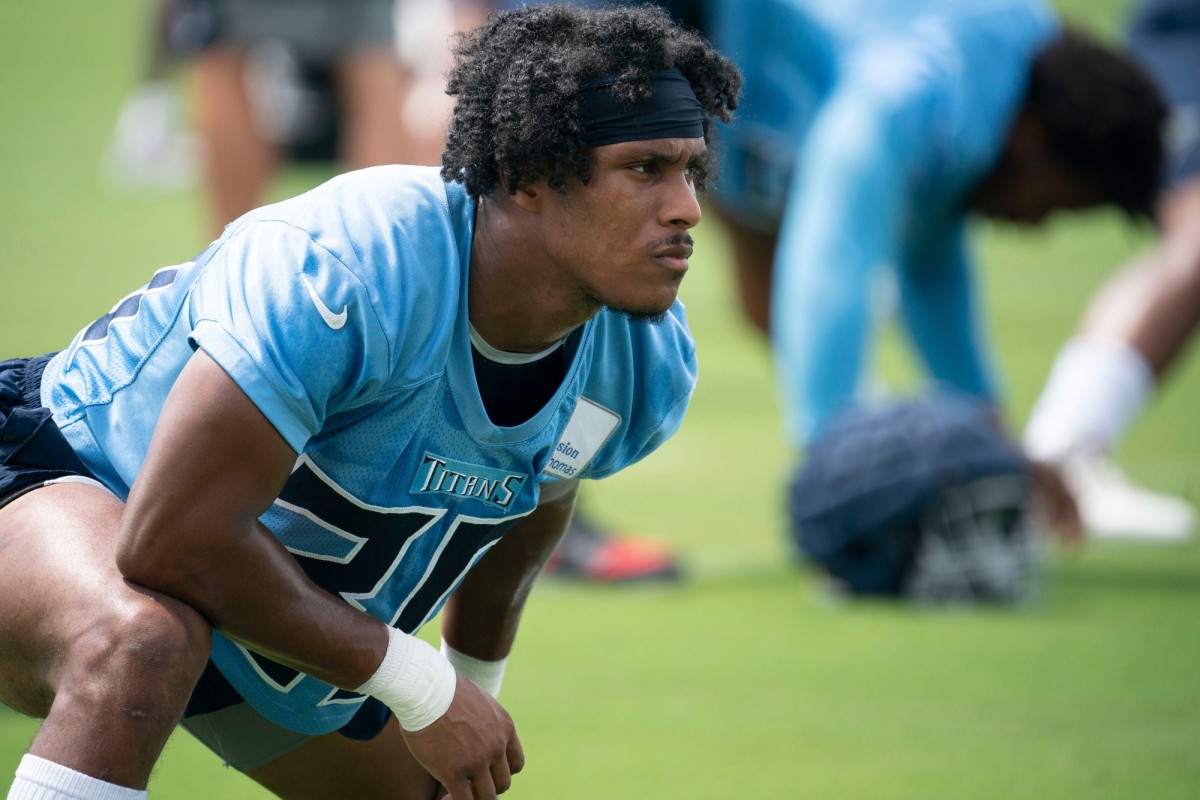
{"points": [[1112, 506], [151, 147]]}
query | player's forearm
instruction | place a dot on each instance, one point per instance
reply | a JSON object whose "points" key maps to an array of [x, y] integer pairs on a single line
{"points": [[482, 621], [482, 615], [190, 530], [291, 620], [259, 597], [1153, 303], [250, 589]]}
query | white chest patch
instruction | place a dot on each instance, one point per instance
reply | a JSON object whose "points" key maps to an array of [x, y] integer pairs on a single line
{"points": [[586, 432]]}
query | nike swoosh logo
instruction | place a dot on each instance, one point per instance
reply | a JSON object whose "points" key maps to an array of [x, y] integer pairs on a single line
{"points": [[335, 321]]}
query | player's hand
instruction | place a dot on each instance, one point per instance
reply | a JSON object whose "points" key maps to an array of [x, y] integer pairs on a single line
{"points": [[472, 750], [1055, 502]]}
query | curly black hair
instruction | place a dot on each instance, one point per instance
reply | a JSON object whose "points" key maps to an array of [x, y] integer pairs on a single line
{"points": [[517, 78], [1104, 117]]}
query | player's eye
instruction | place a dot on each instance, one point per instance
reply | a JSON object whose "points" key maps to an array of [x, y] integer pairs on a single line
{"points": [[645, 167]]}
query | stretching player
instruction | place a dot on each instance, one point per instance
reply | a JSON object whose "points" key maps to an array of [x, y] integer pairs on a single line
{"points": [[1141, 320], [869, 133], [354, 407], [589, 551]]}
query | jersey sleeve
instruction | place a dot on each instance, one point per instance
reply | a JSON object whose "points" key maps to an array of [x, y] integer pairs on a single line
{"points": [[291, 324], [843, 222]]}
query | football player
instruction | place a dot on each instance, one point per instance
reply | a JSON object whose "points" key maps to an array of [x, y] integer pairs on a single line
{"points": [[870, 133], [353, 409]]}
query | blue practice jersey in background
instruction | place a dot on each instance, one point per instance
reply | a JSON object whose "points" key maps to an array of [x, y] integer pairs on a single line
{"points": [[864, 126], [342, 314]]}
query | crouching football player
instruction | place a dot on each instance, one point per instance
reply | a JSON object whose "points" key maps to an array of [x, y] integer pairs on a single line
{"points": [[234, 498]]}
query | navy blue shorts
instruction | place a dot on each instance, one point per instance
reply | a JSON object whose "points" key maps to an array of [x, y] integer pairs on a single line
{"points": [[214, 693], [33, 451]]}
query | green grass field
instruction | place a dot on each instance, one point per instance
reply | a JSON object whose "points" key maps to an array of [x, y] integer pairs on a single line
{"points": [[743, 681]]}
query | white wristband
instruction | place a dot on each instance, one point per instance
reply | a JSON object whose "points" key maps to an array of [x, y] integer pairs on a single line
{"points": [[487, 675], [414, 681], [1095, 391]]}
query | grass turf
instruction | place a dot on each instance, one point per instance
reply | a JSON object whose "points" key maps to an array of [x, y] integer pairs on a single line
{"points": [[743, 681]]}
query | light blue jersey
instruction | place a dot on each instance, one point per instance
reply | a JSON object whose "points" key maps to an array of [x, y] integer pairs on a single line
{"points": [[864, 126], [342, 314]]}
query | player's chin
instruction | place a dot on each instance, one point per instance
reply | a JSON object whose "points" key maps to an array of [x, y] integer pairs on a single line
{"points": [[654, 313]]}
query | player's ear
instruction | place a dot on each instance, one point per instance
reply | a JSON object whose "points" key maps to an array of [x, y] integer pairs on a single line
{"points": [[529, 196], [526, 195]]}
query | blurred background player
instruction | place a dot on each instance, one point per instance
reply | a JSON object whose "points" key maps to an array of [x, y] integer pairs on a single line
{"points": [[270, 86], [869, 133], [152, 146], [1140, 321], [348, 45]]}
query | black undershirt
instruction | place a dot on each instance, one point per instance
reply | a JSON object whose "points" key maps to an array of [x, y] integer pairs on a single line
{"points": [[513, 393]]}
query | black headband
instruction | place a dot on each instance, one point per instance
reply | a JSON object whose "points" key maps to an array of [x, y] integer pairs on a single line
{"points": [[670, 112]]}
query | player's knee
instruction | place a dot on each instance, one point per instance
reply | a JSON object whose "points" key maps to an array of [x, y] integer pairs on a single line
{"points": [[149, 650]]}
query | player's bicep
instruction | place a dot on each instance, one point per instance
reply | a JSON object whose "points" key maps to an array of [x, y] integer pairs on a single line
{"points": [[214, 464]]}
